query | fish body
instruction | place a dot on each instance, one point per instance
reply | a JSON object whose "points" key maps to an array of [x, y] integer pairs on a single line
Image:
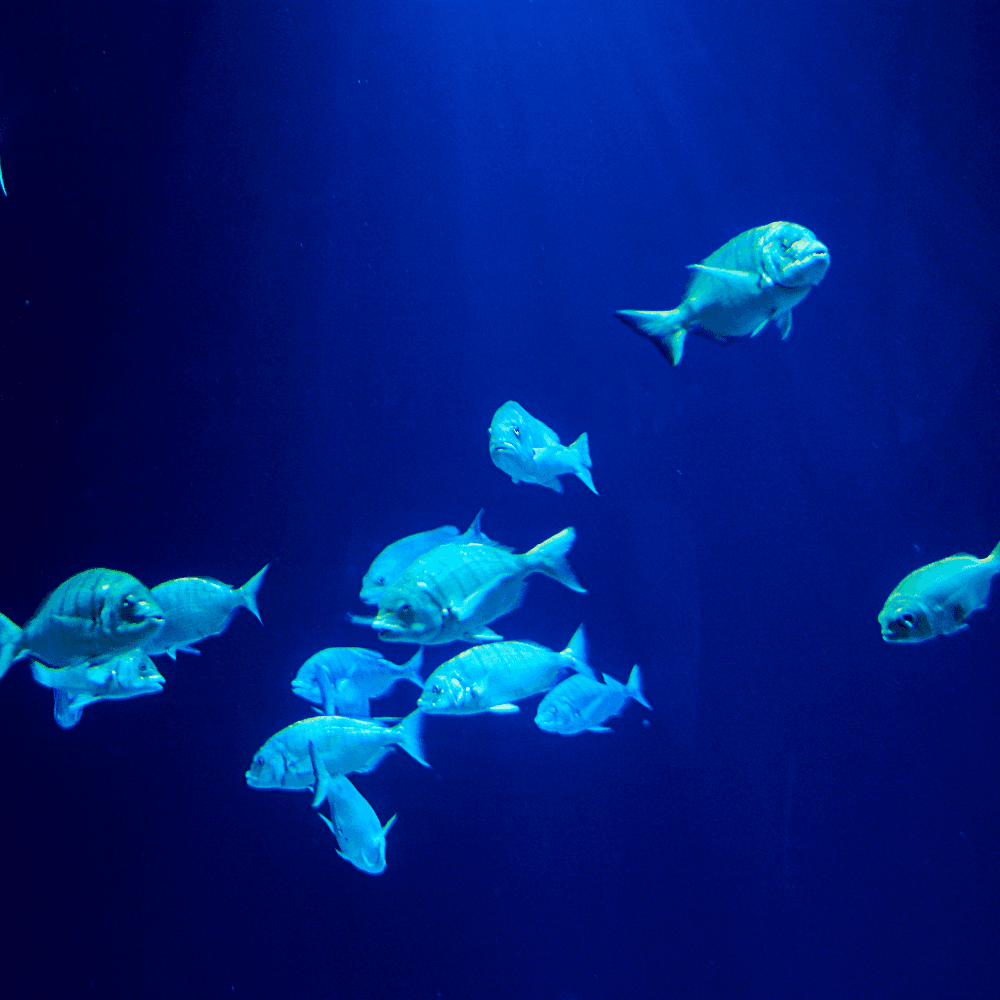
{"points": [[393, 559], [96, 615], [938, 598], [345, 745], [128, 676], [756, 278], [196, 607], [529, 451], [359, 832], [343, 679], [492, 677], [582, 703], [455, 591]]}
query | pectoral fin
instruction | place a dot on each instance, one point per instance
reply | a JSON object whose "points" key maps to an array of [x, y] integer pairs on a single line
{"points": [[466, 610], [742, 282], [507, 709], [322, 776], [783, 321], [485, 634]]}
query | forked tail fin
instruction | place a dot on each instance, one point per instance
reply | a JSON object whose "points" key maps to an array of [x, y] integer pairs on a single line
{"points": [[581, 447], [665, 329], [549, 557], [248, 592]]}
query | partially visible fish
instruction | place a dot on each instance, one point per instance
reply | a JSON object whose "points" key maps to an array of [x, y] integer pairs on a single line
{"points": [[2, 188], [346, 745], [493, 677], [196, 607], [96, 615], [527, 450], [393, 559], [343, 679], [359, 832], [455, 591], [128, 676], [581, 703], [938, 598], [754, 279]]}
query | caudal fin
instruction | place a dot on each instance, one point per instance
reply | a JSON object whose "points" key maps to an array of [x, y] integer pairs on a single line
{"points": [[581, 446], [577, 652], [408, 735], [549, 557], [10, 635], [413, 667], [248, 593], [634, 687], [665, 329], [994, 557]]}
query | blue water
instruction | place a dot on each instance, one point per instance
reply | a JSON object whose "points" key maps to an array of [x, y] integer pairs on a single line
{"points": [[269, 269]]}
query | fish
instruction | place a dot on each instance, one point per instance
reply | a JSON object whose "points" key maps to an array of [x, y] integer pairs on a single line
{"points": [[93, 616], [196, 607], [492, 677], [528, 451], [128, 676], [359, 832], [580, 703], [453, 592], [393, 559], [2, 188], [346, 745], [754, 279], [343, 679], [938, 598]]}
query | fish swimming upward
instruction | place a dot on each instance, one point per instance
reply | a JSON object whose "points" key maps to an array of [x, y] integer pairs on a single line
{"points": [[756, 278], [528, 451], [937, 599]]}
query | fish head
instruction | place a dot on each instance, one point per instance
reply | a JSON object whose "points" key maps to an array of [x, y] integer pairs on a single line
{"points": [[269, 768], [373, 584], [409, 616], [136, 673], [445, 691], [511, 438], [905, 620], [368, 856], [555, 717], [794, 258], [128, 610]]}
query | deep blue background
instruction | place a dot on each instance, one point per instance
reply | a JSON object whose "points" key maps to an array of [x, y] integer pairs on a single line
{"points": [[267, 272]]}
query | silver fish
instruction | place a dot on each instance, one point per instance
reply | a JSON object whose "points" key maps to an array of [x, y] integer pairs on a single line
{"points": [[96, 615], [196, 607], [491, 678], [581, 703], [346, 745], [342, 679], [938, 598], [756, 278], [128, 676], [529, 451], [455, 591], [393, 559], [359, 832]]}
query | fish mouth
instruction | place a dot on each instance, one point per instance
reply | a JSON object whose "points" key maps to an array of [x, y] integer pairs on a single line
{"points": [[502, 449]]}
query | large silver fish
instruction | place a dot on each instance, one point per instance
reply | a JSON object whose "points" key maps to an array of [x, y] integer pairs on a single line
{"points": [[756, 278], [582, 703], [128, 676], [393, 559], [345, 745], [455, 591], [196, 607], [529, 451], [491, 678], [342, 679], [359, 832], [938, 598], [95, 615]]}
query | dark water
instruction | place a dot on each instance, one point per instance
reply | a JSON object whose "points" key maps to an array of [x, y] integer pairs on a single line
{"points": [[267, 272]]}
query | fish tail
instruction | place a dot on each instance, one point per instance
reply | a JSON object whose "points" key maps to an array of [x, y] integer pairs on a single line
{"points": [[581, 448], [248, 593], [665, 329], [634, 687], [549, 557], [413, 666], [10, 637], [994, 557], [408, 735], [576, 651]]}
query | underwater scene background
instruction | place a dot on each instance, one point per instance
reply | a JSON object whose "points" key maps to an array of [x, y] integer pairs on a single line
{"points": [[268, 271]]}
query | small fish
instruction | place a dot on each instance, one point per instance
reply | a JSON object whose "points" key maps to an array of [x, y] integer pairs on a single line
{"points": [[936, 599], [128, 676], [393, 559], [96, 615], [454, 591], [196, 607], [359, 832], [756, 278], [491, 678], [346, 745], [582, 703], [528, 451], [342, 679]]}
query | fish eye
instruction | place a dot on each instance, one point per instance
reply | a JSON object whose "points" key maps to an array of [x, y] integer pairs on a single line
{"points": [[142, 668], [909, 620], [517, 433], [380, 582], [405, 613]]}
